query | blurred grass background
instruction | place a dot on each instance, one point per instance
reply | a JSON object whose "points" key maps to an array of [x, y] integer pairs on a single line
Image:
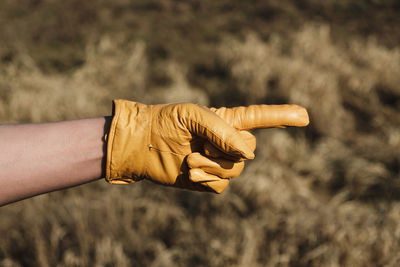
{"points": [[327, 195]]}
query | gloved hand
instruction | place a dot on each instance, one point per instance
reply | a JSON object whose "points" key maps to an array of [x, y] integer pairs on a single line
{"points": [[216, 168], [153, 142]]}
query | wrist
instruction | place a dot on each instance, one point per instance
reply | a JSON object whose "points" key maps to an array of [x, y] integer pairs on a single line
{"points": [[107, 125], [127, 142]]}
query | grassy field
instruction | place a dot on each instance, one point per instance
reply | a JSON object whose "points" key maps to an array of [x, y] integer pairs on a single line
{"points": [[326, 195]]}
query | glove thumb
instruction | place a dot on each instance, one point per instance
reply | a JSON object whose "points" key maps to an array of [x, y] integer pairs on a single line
{"points": [[205, 123]]}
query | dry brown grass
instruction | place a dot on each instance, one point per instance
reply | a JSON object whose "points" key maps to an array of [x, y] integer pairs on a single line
{"points": [[327, 195]]}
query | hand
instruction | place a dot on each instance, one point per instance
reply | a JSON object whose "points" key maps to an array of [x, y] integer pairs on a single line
{"points": [[153, 142], [215, 168]]}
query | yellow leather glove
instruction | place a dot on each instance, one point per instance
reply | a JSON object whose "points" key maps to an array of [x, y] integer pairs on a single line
{"points": [[215, 168], [153, 142]]}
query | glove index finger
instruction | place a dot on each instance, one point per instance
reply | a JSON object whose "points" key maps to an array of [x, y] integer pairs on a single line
{"points": [[264, 116], [202, 122]]}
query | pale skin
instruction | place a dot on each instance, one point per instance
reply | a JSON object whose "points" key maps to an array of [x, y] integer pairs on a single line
{"points": [[40, 158]]}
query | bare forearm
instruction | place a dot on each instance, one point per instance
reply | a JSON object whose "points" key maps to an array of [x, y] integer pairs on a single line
{"points": [[39, 158]]}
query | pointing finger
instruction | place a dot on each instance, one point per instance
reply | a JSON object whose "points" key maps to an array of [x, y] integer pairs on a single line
{"points": [[264, 116]]}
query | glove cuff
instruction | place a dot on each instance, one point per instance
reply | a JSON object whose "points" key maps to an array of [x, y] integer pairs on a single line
{"points": [[127, 143]]}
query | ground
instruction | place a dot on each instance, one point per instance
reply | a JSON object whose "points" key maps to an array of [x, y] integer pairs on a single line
{"points": [[326, 195]]}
